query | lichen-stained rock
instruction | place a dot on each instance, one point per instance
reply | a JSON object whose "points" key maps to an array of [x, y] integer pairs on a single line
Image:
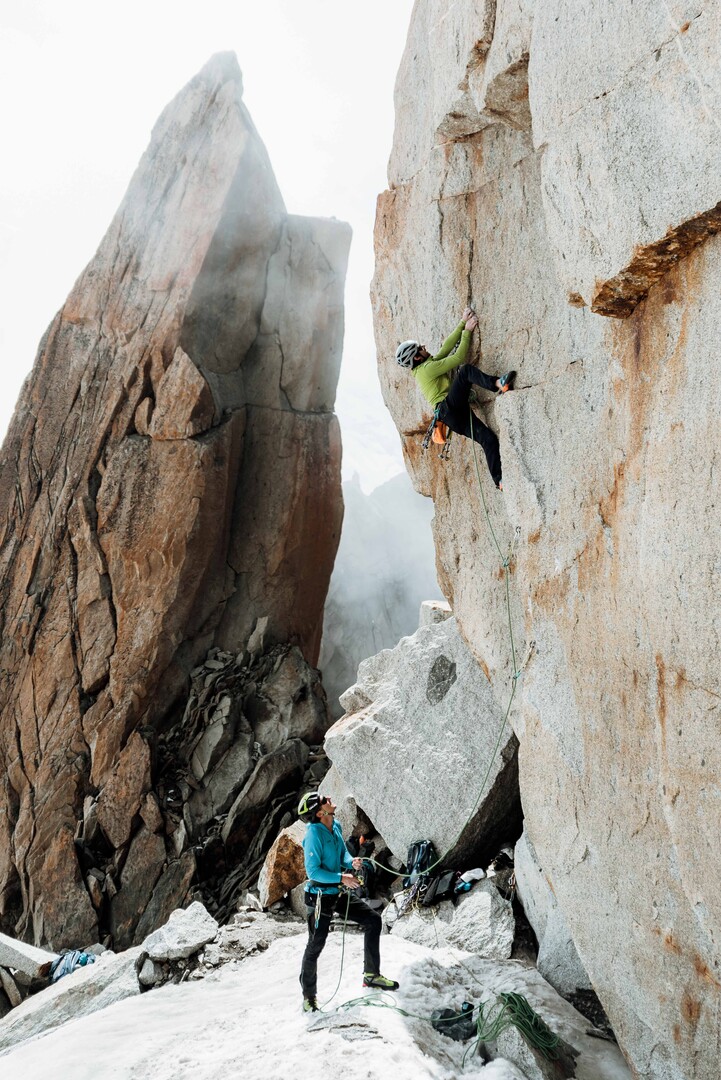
{"points": [[610, 447], [423, 749], [171, 472], [284, 866]]}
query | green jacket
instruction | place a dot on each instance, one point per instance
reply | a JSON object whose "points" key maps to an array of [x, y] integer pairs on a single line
{"points": [[432, 375]]}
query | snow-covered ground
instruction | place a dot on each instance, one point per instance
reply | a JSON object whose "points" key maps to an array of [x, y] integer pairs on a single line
{"points": [[245, 1021]]}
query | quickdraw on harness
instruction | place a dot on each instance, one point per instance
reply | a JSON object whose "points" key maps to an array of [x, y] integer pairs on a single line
{"points": [[439, 433]]}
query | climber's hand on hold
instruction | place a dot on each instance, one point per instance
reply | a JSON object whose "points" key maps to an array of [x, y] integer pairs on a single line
{"points": [[467, 313], [472, 323]]}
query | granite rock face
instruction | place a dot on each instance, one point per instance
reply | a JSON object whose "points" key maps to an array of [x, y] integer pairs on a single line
{"points": [[603, 202], [423, 751], [169, 485], [558, 959], [480, 922]]}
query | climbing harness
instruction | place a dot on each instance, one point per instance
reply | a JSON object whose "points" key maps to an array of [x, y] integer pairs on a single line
{"points": [[438, 433]]}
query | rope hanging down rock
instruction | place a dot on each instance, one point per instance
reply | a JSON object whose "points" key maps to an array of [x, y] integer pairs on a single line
{"points": [[516, 672], [510, 1013]]}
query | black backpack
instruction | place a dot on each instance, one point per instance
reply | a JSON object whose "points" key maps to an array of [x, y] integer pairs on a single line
{"points": [[421, 856], [440, 887]]}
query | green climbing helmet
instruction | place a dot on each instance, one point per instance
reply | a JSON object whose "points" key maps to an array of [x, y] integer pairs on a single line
{"points": [[308, 806]]}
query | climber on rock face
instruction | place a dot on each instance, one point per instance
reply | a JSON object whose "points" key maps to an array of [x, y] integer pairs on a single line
{"points": [[450, 399], [329, 865]]}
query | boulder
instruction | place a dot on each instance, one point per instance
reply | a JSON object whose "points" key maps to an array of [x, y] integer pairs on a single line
{"points": [[150, 973], [171, 473], [558, 960], [86, 990], [434, 611], [185, 933], [297, 901], [284, 866], [424, 714], [23, 957], [351, 818], [10, 988], [480, 921], [512, 1046]]}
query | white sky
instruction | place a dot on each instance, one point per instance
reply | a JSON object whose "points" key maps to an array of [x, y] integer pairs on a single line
{"points": [[81, 85]]}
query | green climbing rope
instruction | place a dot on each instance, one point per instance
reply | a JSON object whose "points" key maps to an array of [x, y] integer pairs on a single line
{"points": [[510, 1009], [513, 1010], [506, 564], [342, 954]]}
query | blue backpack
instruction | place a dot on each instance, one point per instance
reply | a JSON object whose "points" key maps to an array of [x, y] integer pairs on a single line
{"points": [[421, 856]]}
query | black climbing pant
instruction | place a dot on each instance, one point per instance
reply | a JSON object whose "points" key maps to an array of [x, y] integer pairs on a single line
{"points": [[455, 412], [358, 912]]}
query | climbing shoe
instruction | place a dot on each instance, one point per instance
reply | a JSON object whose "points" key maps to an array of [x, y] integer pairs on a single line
{"points": [[506, 382], [310, 1005], [378, 982]]}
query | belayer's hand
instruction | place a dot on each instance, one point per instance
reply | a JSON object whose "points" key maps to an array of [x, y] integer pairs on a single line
{"points": [[357, 863], [472, 323], [350, 881]]}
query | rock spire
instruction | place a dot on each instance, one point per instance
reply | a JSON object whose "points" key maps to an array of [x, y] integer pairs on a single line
{"points": [[170, 485]]}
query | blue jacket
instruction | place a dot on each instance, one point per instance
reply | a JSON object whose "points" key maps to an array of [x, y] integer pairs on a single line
{"points": [[326, 857]]}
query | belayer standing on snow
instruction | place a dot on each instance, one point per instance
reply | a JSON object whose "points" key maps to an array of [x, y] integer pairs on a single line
{"points": [[329, 865], [450, 399]]}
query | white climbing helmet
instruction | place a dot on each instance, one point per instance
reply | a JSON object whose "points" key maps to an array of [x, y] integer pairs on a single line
{"points": [[406, 353]]}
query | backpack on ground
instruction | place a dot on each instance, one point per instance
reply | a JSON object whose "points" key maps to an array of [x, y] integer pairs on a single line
{"points": [[421, 856], [440, 887]]}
